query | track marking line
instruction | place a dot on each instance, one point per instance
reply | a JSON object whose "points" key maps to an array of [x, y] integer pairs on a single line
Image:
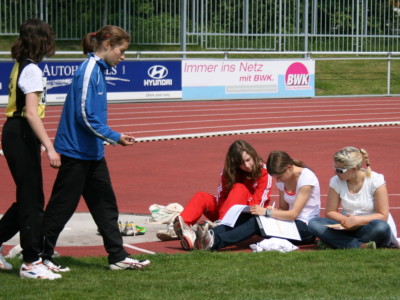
{"points": [[140, 249], [263, 130]]}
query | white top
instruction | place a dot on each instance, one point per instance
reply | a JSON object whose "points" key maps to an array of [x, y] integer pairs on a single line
{"points": [[313, 205], [31, 79], [361, 203]]}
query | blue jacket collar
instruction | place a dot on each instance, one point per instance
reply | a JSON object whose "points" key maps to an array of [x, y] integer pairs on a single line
{"points": [[100, 62]]}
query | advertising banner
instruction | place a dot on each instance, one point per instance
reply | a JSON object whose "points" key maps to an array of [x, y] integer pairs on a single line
{"points": [[243, 79], [129, 80]]}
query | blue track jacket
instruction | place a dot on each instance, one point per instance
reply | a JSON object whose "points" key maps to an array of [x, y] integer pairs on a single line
{"points": [[83, 124]]}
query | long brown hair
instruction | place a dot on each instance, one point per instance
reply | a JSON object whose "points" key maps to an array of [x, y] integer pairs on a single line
{"points": [[278, 161], [233, 160], [35, 41], [115, 34]]}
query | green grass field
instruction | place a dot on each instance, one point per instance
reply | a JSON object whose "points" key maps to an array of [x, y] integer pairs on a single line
{"points": [[329, 274]]}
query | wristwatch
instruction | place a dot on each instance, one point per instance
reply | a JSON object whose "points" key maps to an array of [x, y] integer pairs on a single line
{"points": [[268, 213]]}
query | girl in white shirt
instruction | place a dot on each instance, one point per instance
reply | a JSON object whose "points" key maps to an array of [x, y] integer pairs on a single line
{"points": [[299, 201], [362, 194], [22, 137]]}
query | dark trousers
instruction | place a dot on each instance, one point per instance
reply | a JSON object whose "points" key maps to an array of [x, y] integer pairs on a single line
{"points": [[91, 180], [246, 226], [22, 151]]}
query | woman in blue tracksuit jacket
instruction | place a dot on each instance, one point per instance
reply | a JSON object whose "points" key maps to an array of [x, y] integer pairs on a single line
{"points": [[80, 139]]}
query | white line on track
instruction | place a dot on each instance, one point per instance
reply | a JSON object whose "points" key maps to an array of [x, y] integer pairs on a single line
{"points": [[264, 130], [139, 249], [270, 129]]}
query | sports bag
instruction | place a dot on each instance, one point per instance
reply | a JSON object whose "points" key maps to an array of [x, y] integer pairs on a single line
{"points": [[161, 214]]}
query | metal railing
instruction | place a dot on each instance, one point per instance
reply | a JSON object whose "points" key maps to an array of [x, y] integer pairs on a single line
{"points": [[268, 25]]}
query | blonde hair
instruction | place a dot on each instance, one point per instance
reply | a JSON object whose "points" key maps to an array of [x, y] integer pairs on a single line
{"points": [[352, 157]]}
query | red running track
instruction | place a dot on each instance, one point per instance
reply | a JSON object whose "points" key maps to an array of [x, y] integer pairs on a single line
{"points": [[146, 120], [173, 170]]}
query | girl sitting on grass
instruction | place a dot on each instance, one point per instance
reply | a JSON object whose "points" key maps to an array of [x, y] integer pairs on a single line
{"points": [[299, 200], [244, 180], [362, 194]]}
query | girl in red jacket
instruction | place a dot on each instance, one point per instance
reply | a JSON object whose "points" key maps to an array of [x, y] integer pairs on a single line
{"points": [[244, 180]]}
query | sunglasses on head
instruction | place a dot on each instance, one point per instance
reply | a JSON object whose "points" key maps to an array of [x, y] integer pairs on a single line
{"points": [[340, 171]]}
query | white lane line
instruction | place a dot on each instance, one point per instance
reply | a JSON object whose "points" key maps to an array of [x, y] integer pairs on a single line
{"points": [[139, 249], [264, 130]]}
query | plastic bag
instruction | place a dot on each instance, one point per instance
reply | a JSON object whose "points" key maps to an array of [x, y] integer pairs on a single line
{"points": [[161, 214]]}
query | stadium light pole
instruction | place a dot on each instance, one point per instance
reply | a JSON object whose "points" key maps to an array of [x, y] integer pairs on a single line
{"points": [[183, 27]]}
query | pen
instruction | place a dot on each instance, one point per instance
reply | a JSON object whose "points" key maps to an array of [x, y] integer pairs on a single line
{"points": [[273, 205]]}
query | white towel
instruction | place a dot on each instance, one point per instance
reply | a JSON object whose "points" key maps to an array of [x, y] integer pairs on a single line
{"points": [[273, 244]]}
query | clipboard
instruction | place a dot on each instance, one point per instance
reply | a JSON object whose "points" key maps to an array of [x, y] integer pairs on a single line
{"points": [[278, 228]]}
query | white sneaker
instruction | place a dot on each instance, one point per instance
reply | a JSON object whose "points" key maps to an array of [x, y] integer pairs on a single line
{"points": [[37, 271], [167, 234], [129, 228], [188, 239], [179, 225], [4, 265], [53, 266], [205, 237], [130, 263], [185, 233]]}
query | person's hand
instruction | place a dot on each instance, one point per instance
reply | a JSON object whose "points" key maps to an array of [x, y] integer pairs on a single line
{"points": [[349, 222], [54, 158], [126, 140], [258, 210]]}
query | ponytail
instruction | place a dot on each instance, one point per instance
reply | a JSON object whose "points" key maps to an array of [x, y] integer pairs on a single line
{"points": [[93, 40], [365, 156]]}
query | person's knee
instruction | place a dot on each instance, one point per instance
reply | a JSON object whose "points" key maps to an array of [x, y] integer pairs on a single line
{"points": [[380, 227], [314, 224]]}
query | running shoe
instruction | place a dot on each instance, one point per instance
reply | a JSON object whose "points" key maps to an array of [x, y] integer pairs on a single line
{"points": [[53, 266], [167, 234], [129, 263], [184, 233], [370, 245], [178, 225], [121, 227], [204, 237], [130, 228], [37, 270], [188, 240], [4, 265], [140, 230]]}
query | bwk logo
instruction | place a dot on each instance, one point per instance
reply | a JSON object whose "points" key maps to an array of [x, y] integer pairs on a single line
{"points": [[297, 77], [157, 72]]}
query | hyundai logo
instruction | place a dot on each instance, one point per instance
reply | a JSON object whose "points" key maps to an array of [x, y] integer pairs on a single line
{"points": [[157, 72]]}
